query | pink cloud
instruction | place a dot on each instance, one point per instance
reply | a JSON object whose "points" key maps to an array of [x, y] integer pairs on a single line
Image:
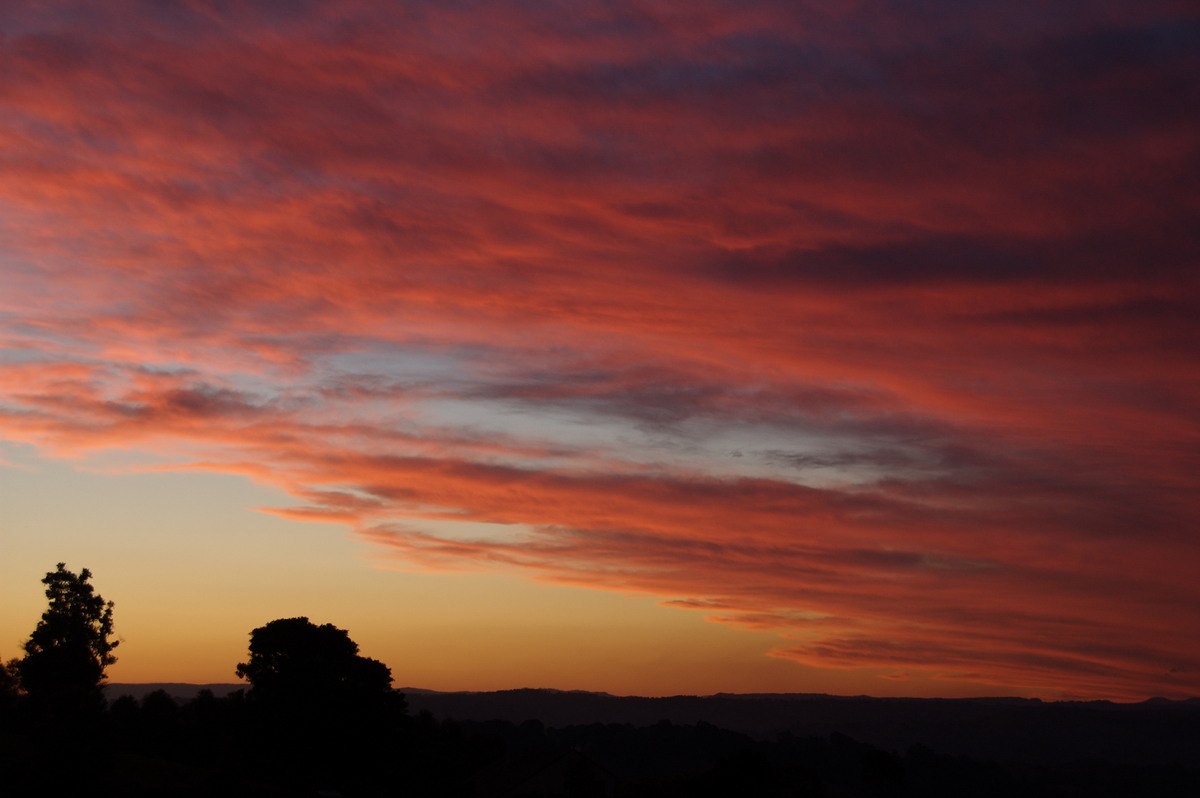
{"points": [[932, 280]]}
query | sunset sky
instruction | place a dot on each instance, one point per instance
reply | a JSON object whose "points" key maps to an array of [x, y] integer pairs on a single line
{"points": [[647, 347]]}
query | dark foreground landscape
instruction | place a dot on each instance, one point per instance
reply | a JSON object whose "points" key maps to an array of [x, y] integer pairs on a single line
{"points": [[191, 740], [313, 717]]}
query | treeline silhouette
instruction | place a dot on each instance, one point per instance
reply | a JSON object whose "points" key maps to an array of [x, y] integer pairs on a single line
{"points": [[239, 746], [318, 719]]}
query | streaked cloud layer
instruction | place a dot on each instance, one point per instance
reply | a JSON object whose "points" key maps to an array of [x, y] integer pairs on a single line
{"points": [[873, 325]]}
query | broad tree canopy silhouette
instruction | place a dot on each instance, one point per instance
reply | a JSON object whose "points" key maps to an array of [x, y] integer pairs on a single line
{"points": [[67, 653], [294, 658], [315, 707]]}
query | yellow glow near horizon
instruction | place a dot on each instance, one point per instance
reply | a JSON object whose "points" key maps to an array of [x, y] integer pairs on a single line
{"points": [[193, 570]]}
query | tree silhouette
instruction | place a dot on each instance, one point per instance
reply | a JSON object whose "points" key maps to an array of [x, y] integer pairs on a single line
{"points": [[322, 714], [294, 659], [10, 684], [67, 653]]}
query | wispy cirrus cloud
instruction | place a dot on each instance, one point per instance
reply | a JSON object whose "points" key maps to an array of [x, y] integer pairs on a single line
{"points": [[876, 328]]}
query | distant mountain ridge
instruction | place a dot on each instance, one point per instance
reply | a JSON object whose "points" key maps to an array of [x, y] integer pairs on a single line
{"points": [[1154, 732], [181, 691], [187, 690]]}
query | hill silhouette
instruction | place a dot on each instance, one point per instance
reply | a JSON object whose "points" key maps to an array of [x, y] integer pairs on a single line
{"points": [[183, 739], [181, 691], [1009, 729], [1154, 732]]}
